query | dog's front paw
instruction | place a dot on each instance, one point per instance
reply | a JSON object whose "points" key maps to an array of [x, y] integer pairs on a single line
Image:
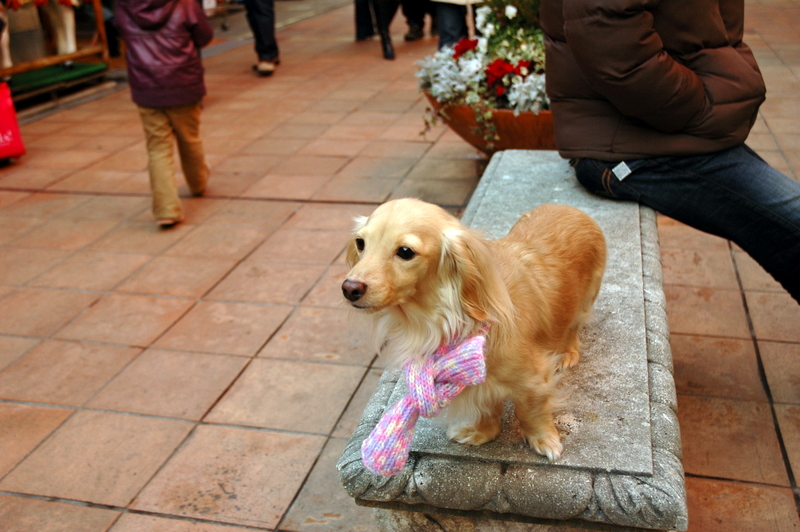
{"points": [[472, 435], [548, 445]]}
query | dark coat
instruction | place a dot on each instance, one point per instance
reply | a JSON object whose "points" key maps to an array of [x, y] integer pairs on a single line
{"points": [[163, 40], [638, 78]]}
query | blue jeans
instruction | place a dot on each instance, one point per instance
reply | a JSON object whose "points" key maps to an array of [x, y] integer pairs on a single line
{"points": [[733, 194], [451, 20], [261, 19]]}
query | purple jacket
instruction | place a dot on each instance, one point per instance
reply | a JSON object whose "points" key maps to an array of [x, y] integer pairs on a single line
{"points": [[163, 40]]}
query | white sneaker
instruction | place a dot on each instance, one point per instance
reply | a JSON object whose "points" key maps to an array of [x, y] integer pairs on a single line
{"points": [[166, 223], [265, 68]]}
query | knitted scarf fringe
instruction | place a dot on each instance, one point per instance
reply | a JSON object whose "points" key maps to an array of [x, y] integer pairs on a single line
{"points": [[432, 383]]}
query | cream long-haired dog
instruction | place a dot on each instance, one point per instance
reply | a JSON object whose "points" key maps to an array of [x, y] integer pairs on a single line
{"points": [[425, 279]]}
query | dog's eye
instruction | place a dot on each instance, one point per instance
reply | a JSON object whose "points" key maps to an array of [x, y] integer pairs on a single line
{"points": [[360, 244], [405, 253]]}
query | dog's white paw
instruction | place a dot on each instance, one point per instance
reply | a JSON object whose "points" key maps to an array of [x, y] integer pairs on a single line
{"points": [[470, 436], [547, 445], [568, 360]]}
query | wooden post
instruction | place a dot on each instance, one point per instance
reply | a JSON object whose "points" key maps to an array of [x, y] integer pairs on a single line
{"points": [[100, 50], [102, 39]]}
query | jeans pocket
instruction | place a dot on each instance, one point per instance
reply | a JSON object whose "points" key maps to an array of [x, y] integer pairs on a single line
{"points": [[598, 178]]}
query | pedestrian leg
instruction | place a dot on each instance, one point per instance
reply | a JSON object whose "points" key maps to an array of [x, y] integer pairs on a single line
{"points": [[185, 121], [160, 141], [384, 13]]}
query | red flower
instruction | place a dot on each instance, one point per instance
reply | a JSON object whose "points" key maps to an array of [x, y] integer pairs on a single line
{"points": [[463, 46], [497, 69], [500, 90]]}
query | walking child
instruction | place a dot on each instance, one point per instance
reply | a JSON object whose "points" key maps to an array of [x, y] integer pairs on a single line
{"points": [[165, 72]]}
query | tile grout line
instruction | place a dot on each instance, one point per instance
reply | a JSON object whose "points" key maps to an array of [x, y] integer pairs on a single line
{"points": [[122, 510], [764, 381], [325, 445]]}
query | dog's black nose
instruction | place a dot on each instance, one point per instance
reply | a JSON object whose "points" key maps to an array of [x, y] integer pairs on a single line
{"points": [[353, 290]]}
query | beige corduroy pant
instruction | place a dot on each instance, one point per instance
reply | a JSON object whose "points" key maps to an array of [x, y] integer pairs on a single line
{"points": [[163, 126]]}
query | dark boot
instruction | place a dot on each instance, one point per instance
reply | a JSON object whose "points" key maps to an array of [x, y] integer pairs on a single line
{"points": [[414, 32], [386, 46], [384, 13]]}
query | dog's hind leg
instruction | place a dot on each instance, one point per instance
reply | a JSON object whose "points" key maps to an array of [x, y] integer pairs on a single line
{"points": [[570, 353], [572, 345]]}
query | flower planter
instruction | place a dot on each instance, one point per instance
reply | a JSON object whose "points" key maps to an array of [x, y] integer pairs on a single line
{"points": [[525, 131]]}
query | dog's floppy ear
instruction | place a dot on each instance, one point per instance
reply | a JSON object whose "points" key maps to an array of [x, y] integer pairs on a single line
{"points": [[467, 261], [351, 254]]}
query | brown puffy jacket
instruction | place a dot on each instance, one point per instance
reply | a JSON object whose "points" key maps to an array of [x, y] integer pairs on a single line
{"points": [[630, 79]]}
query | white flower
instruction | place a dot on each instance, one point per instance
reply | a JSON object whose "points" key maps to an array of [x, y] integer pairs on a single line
{"points": [[511, 11], [480, 17], [471, 67], [528, 94]]}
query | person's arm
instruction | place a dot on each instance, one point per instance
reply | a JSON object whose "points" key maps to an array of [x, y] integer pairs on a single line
{"points": [[201, 29], [623, 58]]}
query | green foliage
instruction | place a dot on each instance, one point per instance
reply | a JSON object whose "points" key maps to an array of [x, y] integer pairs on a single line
{"points": [[527, 10], [512, 30]]}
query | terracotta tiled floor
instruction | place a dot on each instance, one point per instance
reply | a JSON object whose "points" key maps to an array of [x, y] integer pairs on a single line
{"points": [[206, 377]]}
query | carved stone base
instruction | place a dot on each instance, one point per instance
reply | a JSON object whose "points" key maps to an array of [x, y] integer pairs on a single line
{"points": [[621, 463], [400, 521]]}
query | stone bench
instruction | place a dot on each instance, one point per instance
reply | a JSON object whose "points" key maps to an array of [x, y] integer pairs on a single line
{"points": [[621, 467]]}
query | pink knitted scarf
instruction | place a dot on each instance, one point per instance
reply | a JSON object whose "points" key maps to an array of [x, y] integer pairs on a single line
{"points": [[432, 383]]}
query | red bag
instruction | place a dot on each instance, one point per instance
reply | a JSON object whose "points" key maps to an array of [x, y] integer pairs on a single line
{"points": [[10, 139]]}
